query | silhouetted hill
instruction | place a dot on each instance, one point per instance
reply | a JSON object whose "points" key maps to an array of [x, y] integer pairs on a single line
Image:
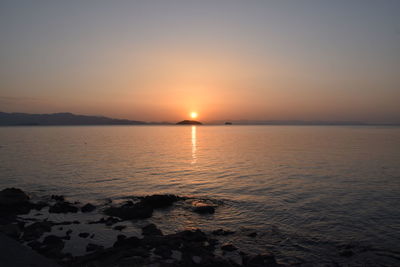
{"points": [[60, 119], [188, 122]]}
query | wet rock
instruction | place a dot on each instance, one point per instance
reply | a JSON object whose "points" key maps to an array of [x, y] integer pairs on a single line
{"points": [[129, 211], [52, 246], [234, 256], [176, 255], [14, 201], [252, 234], [52, 240], [84, 235], [203, 207], [163, 251], [93, 247], [63, 207], [67, 223], [119, 227], [36, 230], [159, 201], [57, 198], [38, 206], [107, 221], [35, 245], [151, 230], [228, 247], [346, 253], [221, 232], [196, 259], [127, 242], [12, 230], [88, 208], [261, 260], [13, 196], [191, 235], [67, 235]]}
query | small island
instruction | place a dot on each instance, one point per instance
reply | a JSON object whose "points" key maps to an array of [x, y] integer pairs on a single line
{"points": [[189, 122]]}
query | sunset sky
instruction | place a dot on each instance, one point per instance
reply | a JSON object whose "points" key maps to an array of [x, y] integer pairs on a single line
{"points": [[162, 60]]}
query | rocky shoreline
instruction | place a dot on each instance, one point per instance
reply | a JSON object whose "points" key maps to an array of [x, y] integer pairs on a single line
{"points": [[189, 247]]}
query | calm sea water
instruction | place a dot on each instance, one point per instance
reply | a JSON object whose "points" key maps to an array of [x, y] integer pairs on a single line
{"points": [[308, 190]]}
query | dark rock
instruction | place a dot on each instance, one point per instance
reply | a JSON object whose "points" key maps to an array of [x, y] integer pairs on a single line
{"points": [[52, 246], [228, 247], [222, 232], [163, 251], [252, 234], [67, 223], [36, 230], [13, 196], [93, 247], [63, 207], [7, 217], [88, 208], [38, 206], [14, 201], [84, 235], [151, 230], [109, 221], [92, 236], [66, 237], [52, 240], [346, 253], [191, 235], [129, 211], [204, 209], [120, 237], [12, 230], [58, 198], [159, 201], [261, 260], [119, 227], [69, 232], [35, 245], [127, 242]]}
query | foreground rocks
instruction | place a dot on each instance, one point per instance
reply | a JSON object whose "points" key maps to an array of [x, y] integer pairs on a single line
{"points": [[185, 248], [14, 201], [143, 208], [203, 207]]}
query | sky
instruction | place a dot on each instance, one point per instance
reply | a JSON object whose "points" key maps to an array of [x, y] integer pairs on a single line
{"points": [[226, 60]]}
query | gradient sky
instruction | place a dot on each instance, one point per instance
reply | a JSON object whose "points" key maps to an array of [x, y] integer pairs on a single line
{"points": [[160, 60]]}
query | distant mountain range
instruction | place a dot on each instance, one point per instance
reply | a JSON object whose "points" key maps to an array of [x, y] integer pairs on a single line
{"points": [[14, 119], [10, 119]]}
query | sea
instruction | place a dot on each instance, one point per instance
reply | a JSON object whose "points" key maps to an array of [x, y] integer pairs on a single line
{"points": [[308, 192]]}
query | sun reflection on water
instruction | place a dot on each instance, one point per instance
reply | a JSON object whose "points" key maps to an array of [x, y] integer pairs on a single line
{"points": [[194, 148]]}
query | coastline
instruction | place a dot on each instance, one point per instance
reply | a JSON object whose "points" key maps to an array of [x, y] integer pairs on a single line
{"points": [[150, 247]]}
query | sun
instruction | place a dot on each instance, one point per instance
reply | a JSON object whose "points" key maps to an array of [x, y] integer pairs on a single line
{"points": [[193, 115]]}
